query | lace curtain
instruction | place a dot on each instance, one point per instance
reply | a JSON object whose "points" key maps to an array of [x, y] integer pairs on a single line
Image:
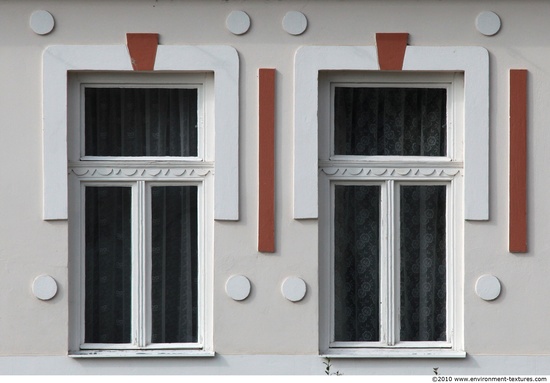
{"points": [[357, 263], [390, 121], [423, 267], [396, 122]]}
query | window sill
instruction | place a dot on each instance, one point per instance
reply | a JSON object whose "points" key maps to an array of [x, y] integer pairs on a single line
{"points": [[140, 353], [393, 353]]}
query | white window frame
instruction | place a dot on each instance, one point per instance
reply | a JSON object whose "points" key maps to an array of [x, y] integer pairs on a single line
{"points": [[59, 60], [136, 80], [141, 173], [390, 172]]}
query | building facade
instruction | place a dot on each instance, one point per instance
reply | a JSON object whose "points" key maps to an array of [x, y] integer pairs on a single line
{"points": [[251, 187]]}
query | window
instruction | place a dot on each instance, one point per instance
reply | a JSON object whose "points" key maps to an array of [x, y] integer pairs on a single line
{"points": [[141, 207], [390, 149]]}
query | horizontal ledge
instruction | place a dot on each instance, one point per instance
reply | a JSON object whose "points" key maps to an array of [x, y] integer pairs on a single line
{"points": [[131, 163], [385, 163], [141, 354], [393, 353]]}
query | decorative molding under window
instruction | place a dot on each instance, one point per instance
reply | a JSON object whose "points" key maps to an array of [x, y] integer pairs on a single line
{"points": [[389, 172], [135, 173]]}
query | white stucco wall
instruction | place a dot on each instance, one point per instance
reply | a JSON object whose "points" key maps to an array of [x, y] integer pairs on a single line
{"points": [[513, 325]]}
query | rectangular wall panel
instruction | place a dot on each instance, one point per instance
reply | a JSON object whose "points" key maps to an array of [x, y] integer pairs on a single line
{"points": [[518, 161], [266, 208]]}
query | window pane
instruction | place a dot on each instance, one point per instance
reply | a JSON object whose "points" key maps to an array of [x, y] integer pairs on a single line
{"points": [[174, 272], [390, 121], [141, 122], [423, 267], [356, 263], [108, 265]]}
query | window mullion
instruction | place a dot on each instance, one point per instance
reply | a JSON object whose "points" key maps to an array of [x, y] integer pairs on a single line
{"points": [[389, 272], [139, 312], [396, 254]]}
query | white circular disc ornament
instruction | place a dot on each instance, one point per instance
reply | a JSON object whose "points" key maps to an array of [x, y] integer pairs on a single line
{"points": [[488, 287], [42, 22], [44, 287], [294, 289], [237, 22], [295, 23], [237, 287], [488, 23]]}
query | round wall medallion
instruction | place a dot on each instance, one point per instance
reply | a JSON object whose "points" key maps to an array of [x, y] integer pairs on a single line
{"points": [[237, 22], [295, 23], [488, 287], [42, 22], [488, 23], [294, 289], [44, 287], [238, 287]]}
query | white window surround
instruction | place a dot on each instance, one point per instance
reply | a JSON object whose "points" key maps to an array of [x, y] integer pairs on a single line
{"points": [[58, 60], [473, 61]]}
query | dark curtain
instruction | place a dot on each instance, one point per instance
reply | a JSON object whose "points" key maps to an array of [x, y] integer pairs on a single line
{"points": [[108, 265], [174, 264], [140, 122], [357, 263], [390, 121], [423, 263], [174, 244], [423, 270]]}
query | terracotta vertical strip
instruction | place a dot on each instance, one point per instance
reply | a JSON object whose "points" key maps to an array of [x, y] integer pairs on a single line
{"points": [[391, 49], [518, 161], [266, 209], [143, 50]]}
